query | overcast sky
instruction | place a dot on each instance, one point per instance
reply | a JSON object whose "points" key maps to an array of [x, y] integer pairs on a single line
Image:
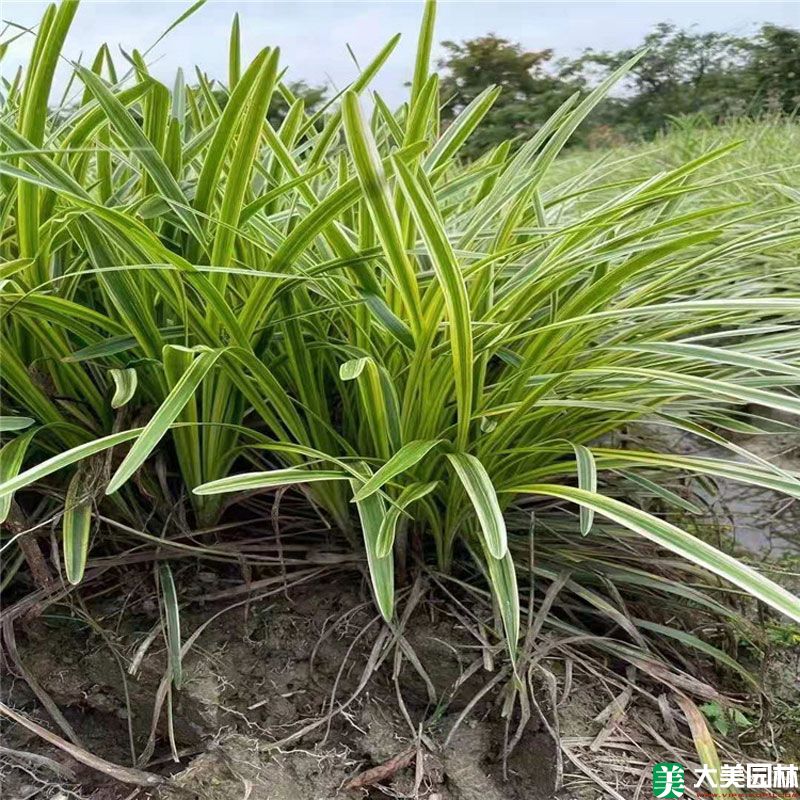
{"points": [[313, 35]]}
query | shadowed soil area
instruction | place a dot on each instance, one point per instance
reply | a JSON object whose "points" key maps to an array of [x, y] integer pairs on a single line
{"points": [[262, 672]]}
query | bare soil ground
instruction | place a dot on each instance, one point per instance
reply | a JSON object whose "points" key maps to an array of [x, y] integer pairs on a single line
{"points": [[270, 671], [258, 674]]}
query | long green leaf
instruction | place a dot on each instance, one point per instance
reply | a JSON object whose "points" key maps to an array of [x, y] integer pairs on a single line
{"points": [[12, 455], [587, 480], [405, 458], [678, 541], [503, 578], [376, 191], [165, 415], [372, 512], [173, 619], [479, 489], [247, 481], [424, 44], [8, 424], [76, 526], [454, 289], [242, 162], [65, 459], [716, 355], [33, 117]]}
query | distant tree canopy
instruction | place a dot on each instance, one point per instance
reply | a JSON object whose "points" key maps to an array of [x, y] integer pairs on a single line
{"points": [[773, 70], [313, 98], [530, 93], [682, 72]]}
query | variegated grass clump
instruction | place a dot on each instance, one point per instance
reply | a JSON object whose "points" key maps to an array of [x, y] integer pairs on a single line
{"points": [[430, 348]]}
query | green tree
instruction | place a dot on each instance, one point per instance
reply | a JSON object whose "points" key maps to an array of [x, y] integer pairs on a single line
{"points": [[530, 92], [681, 72], [313, 98], [684, 72], [773, 70]]}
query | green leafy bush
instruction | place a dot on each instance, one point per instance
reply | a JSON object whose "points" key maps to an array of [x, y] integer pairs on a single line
{"points": [[428, 347]]}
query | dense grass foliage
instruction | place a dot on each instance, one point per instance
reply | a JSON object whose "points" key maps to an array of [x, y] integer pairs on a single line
{"points": [[197, 305], [760, 170]]}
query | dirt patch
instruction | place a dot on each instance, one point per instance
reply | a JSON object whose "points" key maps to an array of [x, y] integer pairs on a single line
{"points": [[261, 673]]}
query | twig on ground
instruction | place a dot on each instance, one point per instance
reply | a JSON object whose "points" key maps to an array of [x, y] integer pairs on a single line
{"points": [[119, 773], [383, 771], [38, 760]]}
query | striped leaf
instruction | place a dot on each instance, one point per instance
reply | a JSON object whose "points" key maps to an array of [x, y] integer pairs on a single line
{"points": [[65, 459], [678, 541], [587, 480], [12, 454], [166, 414], [169, 598], [481, 492], [371, 513], [8, 424], [248, 481], [376, 191], [76, 526], [125, 383], [406, 457], [704, 744], [454, 289], [503, 578]]}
